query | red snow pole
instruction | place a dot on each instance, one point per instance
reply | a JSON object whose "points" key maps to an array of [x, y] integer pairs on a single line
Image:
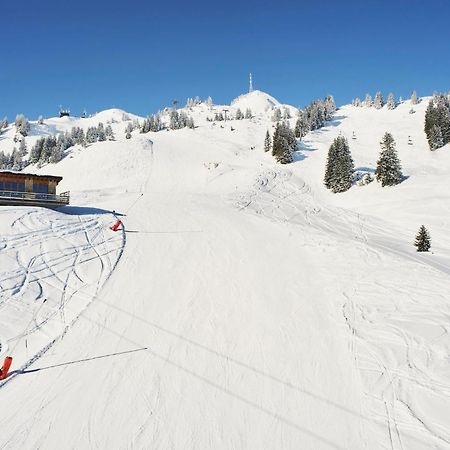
{"points": [[116, 225], [6, 365]]}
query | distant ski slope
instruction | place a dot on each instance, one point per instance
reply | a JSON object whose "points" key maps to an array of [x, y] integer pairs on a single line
{"points": [[251, 307]]}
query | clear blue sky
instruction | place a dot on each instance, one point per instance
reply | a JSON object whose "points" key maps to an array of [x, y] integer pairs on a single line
{"points": [[139, 55]]}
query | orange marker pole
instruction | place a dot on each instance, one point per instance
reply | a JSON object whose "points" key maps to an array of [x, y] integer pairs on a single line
{"points": [[5, 369], [116, 225]]}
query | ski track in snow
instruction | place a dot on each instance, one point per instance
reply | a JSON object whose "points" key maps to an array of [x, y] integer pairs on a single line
{"points": [[51, 260], [263, 312], [389, 381]]}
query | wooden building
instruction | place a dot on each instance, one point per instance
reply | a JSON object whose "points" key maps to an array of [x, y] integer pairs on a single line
{"points": [[26, 189]]}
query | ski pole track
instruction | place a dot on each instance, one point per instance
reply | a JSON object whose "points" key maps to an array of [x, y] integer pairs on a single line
{"points": [[406, 372], [57, 268], [273, 196]]}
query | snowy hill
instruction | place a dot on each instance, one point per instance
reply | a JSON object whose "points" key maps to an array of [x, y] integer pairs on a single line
{"points": [[257, 101], [243, 306]]}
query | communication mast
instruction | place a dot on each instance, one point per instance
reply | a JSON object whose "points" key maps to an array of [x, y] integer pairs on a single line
{"points": [[250, 89]]}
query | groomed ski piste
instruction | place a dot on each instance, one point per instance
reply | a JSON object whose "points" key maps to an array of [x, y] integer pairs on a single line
{"points": [[241, 305]]}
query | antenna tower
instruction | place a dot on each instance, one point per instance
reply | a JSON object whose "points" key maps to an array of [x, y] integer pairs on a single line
{"points": [[250, 89]]}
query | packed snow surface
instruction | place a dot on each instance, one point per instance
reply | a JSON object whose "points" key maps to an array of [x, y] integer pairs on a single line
{"points": [[242, 305]]}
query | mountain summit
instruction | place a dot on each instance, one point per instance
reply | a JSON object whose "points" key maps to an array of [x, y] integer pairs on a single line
{"points": [[257, 101]]}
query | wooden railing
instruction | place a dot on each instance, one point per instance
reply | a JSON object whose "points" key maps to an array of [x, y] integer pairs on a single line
{"points": [[62, 198]]}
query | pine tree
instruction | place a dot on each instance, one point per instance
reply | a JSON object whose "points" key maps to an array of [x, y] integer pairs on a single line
{"points": [[101, 136], [36, 150], [23, 148], [330, 107], [267, 142], [389, 170], [378, 102], [437, 122], [248, 113], [4, 123], [390, 101], [91, 135], [109, 133], [22, 125], [57, 152], [40, 120], [414, 99], [239, 115], [368, 101], [423, 240], [276, 115], [284, 143], [436, 139], [129, 129], [339, 168]]}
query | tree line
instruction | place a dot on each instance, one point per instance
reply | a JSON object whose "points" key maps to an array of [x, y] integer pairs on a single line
{"points": [[283, 143]]}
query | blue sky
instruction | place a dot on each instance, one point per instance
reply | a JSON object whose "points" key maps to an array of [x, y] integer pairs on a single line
{"points": [[140, 55]]}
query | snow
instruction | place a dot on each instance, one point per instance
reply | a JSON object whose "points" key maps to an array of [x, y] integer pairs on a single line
{"points": [[256, 100], [242, 306]]}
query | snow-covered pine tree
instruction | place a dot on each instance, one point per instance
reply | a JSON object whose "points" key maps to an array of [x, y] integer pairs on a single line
{"points": [[443, 108], [357, 102], [4, 123], [267, 142], [47, 149], [129, 129], [23, 148], [57, 153], [36, 150], [329, 106], [437, 122], [389, 169], [41, 120], [284, 143], [423, 240], [368, 101], [22, 125], [390, 103], [298, 129], [209, 102], [301, 126], [436, 139], [190, 123], [16, 160], [286, 114], [276, 117], [239, 115], [109, 133], [248, 113], [414, 99], [378, 102], [101, 136], [174, 120], [91, 135], [339, 168]]}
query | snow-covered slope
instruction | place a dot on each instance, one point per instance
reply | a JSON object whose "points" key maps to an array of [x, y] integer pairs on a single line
{"points": [[251, 308], [257, 101]]}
